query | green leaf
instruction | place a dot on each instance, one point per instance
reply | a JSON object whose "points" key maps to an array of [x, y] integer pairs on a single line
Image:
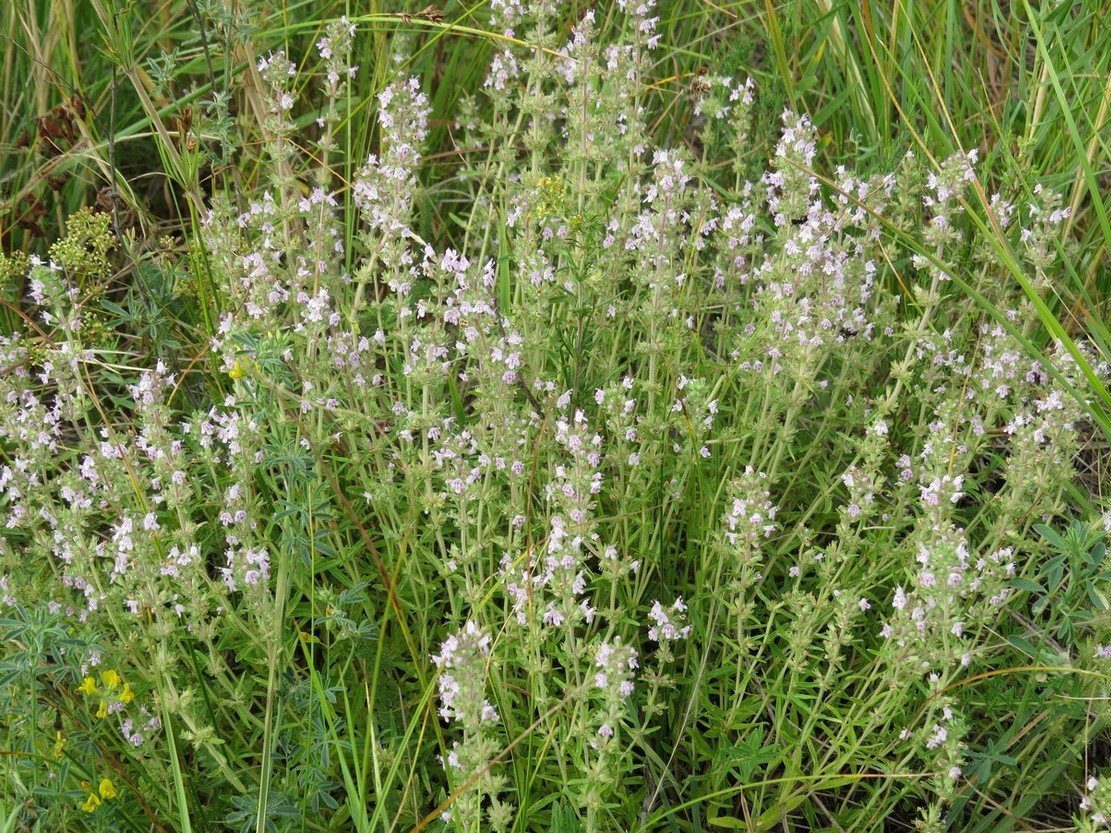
{"points": [[1066, 632], [1048, 534], [1055, 571], [1028, 585], [771, 817], [1096, 598], [728, 822], [751, 753], [1096, 555], [1023, 645], [564, 820]]}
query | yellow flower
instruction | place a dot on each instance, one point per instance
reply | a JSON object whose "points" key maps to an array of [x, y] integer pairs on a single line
{"points": [[88, 686], [106, 788], [110, 678], [91, 803], [59, 744], [102, 712], [126, 696], [243, 366]]}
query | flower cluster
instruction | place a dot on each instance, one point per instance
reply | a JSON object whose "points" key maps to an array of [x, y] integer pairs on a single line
{"points": [[953, 590], [668, 625], [462, 662], [1096, 805], [792, 185], [111, 695], [104, 791], [750, 517], [615, 665]]}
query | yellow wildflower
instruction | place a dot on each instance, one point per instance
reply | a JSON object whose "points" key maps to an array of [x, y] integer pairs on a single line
{"points": [[127, 695], [88, 686], [102, 712], [91, 803], [244, 366], [110, 678], [106, 789], [59, 743]]}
